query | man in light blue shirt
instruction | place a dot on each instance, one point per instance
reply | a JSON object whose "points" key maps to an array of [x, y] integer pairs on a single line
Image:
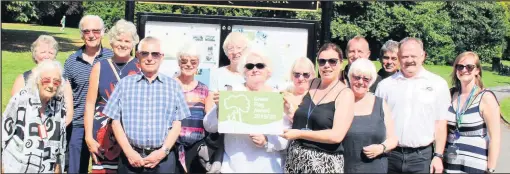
{"points": [[147, 109]]}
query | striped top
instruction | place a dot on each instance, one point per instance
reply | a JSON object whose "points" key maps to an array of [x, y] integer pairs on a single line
{"points": [[473, 140], [77, 71], [147, 109], [193, 126]]}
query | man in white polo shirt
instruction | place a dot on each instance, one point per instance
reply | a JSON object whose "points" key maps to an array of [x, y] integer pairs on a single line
{"points": [[419, 102]]}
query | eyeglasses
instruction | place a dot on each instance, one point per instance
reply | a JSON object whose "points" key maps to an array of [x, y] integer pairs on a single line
{"points": [[469, 67], [47, 80], [95, 31], [298, 74], [332, 61], [192, 61], [250, 66], [155, 55], [356, 78]]}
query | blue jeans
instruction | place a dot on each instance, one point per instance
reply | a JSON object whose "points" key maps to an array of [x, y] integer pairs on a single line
{"points": [[410, 160], [78, 152]]}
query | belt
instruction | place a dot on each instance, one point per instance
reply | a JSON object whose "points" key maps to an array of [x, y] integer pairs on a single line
{"points": [[146, 151], [411, 149]]}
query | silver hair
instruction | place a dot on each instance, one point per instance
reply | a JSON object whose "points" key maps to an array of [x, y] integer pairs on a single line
{"points": [[35, 78], [253, 53], [122, 26], [189, 49], [307, 62], [147, 40], [237, 36], [409, 39], [363, 67], [91, 17], [44, 39], [391, 46]]}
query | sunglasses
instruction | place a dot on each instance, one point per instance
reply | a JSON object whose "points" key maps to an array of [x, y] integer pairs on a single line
{"points": [[95, 31], [47, 80], [155, 55], [357, 78], [305, 75], [469, 67], [332, 61], [250, 66], [193, 61]]}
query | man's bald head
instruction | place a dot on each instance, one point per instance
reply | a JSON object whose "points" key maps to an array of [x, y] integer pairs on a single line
{"points": [[357, 48]]}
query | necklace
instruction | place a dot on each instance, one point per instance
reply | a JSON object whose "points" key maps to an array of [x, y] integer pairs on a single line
{"points": [[119, 69]]}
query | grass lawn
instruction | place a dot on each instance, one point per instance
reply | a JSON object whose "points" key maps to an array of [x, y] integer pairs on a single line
{"points": [[505, 109], [16, 55]]}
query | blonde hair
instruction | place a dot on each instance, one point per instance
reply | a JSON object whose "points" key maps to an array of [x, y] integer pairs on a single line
{"points": [[122, 26], [234, 36], [363, 67], [308, 63], [45, 66], [44, 39], [478, 77]]}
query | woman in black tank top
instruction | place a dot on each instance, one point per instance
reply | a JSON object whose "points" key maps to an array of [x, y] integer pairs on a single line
{"points": [[321, 120]]}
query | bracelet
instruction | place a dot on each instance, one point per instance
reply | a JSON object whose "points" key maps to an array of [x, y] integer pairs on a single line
{"points": [[384, 148]]}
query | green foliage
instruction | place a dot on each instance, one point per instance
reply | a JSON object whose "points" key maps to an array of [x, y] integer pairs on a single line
{"points": [[110, 11], [19, 11]]}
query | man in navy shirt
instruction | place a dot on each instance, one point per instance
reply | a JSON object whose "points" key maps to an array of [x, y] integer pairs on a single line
{"points": [[77, 70]]}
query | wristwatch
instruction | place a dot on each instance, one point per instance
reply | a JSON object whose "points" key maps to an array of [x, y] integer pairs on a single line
{"points": [[438, 155], [166, 149], [489, 170]]}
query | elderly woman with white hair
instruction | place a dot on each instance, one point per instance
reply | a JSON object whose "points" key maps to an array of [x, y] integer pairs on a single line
{"points": [[33, 129], [234, 46], [192, 135], [45, 47], [250, 153], [371, 134], [105, 74], [301, 74]]}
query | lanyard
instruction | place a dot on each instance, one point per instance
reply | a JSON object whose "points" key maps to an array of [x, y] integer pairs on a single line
{"points": [[310, 109], [460, 112]]}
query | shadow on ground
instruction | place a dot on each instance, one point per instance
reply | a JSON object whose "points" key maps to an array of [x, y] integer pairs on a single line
{"points": [[21, 40]]}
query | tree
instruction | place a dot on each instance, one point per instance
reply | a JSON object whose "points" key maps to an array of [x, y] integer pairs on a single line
{"points": [[18, 11]]}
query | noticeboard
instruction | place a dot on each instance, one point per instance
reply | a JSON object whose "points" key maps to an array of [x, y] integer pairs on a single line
{"points": [[281, 40]]}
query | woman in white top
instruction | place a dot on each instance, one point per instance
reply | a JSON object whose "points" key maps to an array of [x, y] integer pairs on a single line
{"points": [[234, 46], [250, 153]]}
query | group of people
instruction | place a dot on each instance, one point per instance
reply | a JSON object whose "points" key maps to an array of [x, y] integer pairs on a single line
{"points": [[118, 110]]}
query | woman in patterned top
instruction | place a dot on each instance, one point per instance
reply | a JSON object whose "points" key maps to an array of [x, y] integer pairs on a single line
{"points": [[474, 117], [104, 76], [192, 128], [45, 47], [33, 128]]}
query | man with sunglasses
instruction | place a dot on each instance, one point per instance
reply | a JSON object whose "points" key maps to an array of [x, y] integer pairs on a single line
{"points": [[77, 70], [147, 109], [419, 101], [357, 48]]}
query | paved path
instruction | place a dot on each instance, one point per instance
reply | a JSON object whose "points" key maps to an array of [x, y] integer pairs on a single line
{"points": [[504, 156]]}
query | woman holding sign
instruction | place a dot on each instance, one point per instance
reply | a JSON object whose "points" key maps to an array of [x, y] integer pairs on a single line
{"points": [[322, 120], [255, 153]]}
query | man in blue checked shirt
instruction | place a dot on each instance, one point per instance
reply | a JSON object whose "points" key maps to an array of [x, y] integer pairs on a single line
{"points": [[147, 110]]}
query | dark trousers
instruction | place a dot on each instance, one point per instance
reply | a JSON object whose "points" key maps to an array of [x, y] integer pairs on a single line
{"points": [[166, 165], [410, 160], [79, 154]]}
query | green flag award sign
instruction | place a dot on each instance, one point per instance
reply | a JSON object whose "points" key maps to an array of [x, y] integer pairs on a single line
{"points": [[249, 112]]}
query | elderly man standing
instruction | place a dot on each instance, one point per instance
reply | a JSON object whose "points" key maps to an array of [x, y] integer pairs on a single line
{"points": [[77, 70], [147, 109], [419, 101], [388, 59], [357, 48]]}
